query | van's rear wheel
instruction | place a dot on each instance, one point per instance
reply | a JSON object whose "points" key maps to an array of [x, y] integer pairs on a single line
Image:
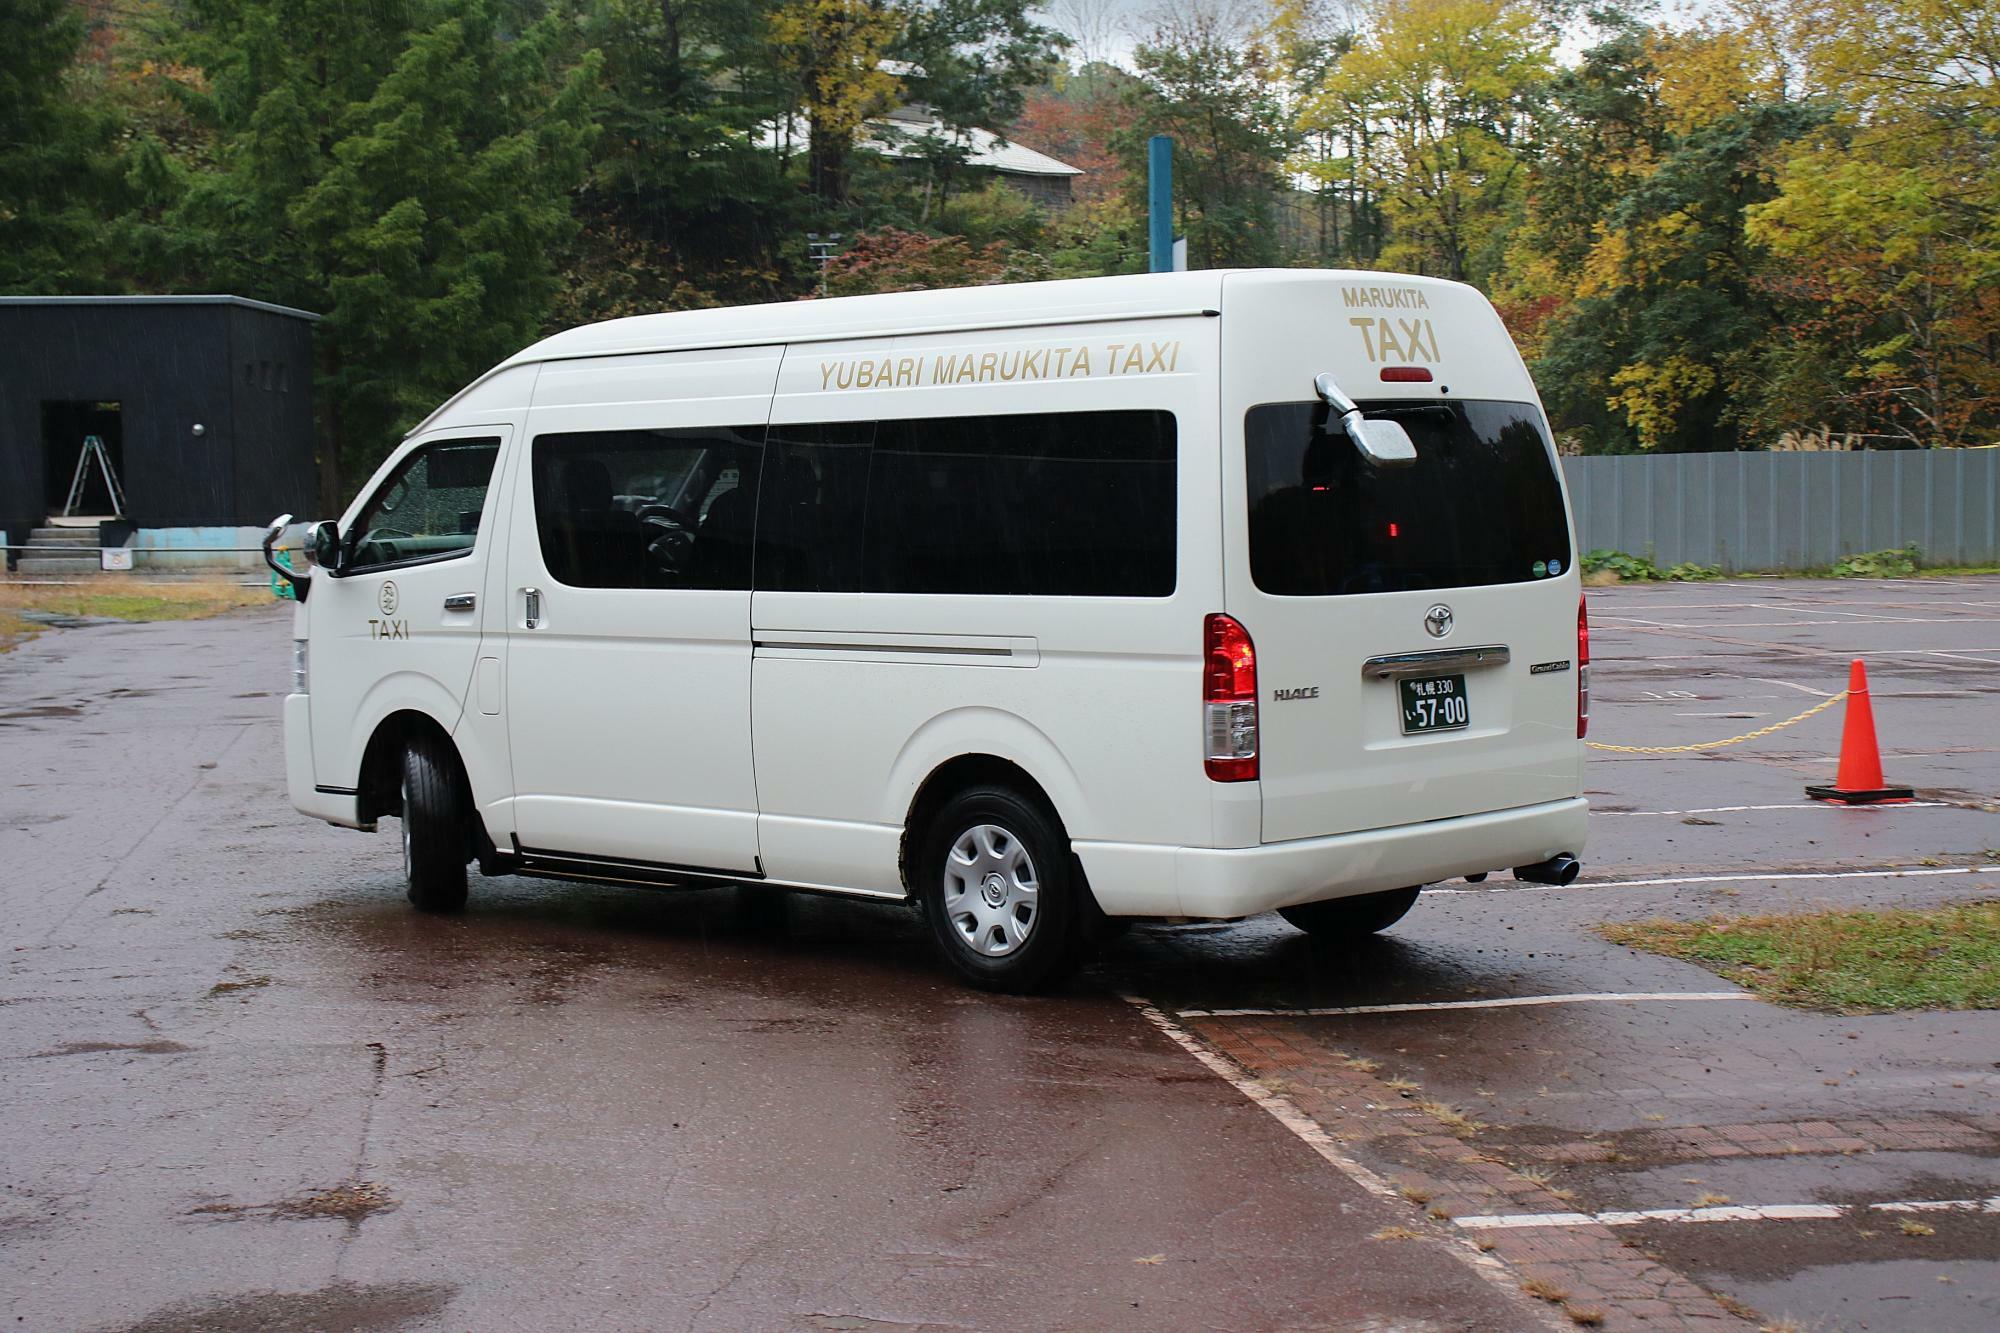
{"points": [[435, 820], [1353, 917], [996, 880]]}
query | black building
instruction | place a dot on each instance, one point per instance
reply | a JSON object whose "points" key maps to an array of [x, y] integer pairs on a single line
{"points": [[204, 405]]}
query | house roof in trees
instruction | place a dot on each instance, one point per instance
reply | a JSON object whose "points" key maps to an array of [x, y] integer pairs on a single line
{"points": [[901, 133], [901, 136], [162, 300]]}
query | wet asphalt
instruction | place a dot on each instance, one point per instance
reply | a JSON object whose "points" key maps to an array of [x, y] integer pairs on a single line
{"points": [[243, 1086]]}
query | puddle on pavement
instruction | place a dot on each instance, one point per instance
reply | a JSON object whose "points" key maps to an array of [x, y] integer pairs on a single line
{"points": [[42, 712], [362, 1307], [157, 1047]]}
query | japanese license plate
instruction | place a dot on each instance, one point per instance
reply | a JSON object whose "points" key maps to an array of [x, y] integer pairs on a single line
{"points": [[1433, 703]]}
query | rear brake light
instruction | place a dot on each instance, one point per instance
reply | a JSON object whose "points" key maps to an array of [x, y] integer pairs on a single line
{"points": [[1405, 375], [1582, 669], [1229, 701]]}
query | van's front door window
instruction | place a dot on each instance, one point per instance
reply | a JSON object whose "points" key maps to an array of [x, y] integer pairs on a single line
{"points": [[429, 508]]}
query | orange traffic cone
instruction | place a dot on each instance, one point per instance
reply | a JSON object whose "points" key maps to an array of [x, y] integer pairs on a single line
{"points": [[1859, 781]]}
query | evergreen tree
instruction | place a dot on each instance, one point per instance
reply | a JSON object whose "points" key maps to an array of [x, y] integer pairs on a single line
{"points": [[56, 169], [1208, 85], [402, 168]]}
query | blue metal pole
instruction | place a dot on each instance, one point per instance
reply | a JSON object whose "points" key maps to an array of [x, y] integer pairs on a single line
{"points": [[1160, 202]]}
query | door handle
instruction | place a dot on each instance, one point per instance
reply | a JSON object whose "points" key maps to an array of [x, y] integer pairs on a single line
{"points": [[532, 598], [460, 601]]}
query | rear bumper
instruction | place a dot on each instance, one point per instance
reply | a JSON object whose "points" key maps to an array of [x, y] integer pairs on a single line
{"points": [[334, 806], [1134, 880]]}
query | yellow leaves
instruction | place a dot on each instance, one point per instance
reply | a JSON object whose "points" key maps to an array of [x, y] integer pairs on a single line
{"points": [[1705, 75], [1653, 397], [836, 48], [1428, 101], [1606, 267]]}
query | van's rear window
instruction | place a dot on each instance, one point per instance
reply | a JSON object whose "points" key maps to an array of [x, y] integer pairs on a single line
{"points": [[1481, 505]]}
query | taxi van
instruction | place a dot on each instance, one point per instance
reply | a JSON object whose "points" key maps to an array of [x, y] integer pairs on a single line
{"points": [[1189, 595]]}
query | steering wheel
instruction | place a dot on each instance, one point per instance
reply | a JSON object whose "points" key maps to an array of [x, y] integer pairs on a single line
{"points": [[668, 540]]}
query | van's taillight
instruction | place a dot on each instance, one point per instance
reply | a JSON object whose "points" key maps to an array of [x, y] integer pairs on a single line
{"points": [[1405, 375], [1229, 701], [1582, 670]]}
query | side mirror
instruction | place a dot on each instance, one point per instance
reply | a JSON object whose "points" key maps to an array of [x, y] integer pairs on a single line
{"points": [[1383, 443], [325, 548], [271, 534]]}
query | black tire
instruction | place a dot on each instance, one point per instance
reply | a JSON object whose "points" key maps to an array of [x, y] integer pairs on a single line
{"points": [[1036, 934], [1352, 918], [436, 826]]}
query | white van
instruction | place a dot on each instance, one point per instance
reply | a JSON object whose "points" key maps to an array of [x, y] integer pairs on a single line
{"points": [[1038, 605]]}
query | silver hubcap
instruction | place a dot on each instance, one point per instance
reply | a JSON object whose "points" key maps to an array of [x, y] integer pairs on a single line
{"points": [[406, 826], [991, 893]]}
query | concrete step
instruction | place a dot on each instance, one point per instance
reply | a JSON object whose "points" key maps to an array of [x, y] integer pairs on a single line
{"points": [[31, 562], [63, 537]]}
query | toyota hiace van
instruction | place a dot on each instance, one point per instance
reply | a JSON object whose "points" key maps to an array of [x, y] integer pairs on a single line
{"points": [[1040, 606]]}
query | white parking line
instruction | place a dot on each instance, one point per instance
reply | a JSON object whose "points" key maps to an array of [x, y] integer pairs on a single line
{"points": [[1772, 1212], [1505, 1002], [1792, 685], [1307, 1130], [1757, 876], [1800, 805]]}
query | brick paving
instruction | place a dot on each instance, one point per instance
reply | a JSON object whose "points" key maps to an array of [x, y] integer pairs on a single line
{"points": [[1596, 1276], [1944, 1133]]}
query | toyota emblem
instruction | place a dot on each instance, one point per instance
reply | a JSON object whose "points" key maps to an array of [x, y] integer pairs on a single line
{"points": [[1437, 621]]}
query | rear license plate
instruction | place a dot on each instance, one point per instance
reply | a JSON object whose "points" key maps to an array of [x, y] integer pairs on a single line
{"points": [[1433, 703]]}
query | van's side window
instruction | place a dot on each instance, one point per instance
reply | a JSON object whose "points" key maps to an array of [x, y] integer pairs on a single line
{"points": [[1072, 504], [809, 528], [665, 508], [428, 509]]}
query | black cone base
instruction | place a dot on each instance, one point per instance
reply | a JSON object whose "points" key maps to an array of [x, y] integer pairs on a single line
{"points": [[1860, 797]]}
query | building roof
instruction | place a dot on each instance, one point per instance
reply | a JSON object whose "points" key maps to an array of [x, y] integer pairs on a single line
{"points": [[900, 133], [245, 301], [900, 136]]}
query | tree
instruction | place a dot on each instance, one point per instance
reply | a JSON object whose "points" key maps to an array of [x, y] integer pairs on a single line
{"points": [[1436, 98], [835, 52], [404, 170], [685, 205], [1672, 322], [1077, 118], [892, 260], [56, 167], [1204, 80], [1887, 222]]}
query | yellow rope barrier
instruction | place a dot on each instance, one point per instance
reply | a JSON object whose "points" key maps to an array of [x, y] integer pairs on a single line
{"points": [[1819, 707]]}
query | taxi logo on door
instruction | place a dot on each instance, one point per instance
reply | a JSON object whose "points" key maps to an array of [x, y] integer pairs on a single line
{"points": [[388, 627]]}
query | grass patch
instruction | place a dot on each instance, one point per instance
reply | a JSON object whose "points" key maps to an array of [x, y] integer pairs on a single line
{"points": [[1854, 962], [126, 598], [14, 630]]}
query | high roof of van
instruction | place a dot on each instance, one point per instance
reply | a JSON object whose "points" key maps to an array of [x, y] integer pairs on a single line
{"points": [[1008, 305], [1022, 303]]}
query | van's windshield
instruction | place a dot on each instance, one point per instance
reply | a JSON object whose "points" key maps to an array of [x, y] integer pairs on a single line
{"points": [[1481, 505]]}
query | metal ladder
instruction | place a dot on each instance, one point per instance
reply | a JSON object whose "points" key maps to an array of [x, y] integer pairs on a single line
{"points": [[93, 447]]}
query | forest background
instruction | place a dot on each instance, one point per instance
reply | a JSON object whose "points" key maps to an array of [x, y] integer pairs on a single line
{"points": [[1749, 224]]}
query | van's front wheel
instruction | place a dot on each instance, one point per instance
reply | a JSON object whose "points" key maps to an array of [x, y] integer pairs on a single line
{"points": [[435, 848], [999, 892], [1352, 918]]}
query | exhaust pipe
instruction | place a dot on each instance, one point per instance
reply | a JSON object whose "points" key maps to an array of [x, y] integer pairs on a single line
{"points": [[1562, 868]]}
